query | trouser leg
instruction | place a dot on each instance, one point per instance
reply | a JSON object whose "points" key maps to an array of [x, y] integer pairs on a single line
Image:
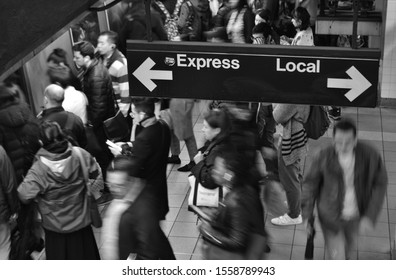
{"points": [[175, 144], [5, 242], [334, 244], [291, 179], [191, 146]]}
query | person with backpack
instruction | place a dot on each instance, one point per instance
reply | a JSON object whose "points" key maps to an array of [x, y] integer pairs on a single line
{"points": [[71, 124], [291, 158], [194, 19]]}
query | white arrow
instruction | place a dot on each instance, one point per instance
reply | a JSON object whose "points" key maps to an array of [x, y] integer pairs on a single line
{"points": [[145, 75], [357, 84]]}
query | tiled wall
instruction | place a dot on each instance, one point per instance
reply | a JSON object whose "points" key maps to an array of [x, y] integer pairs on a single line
{"points": [[388, 84]]}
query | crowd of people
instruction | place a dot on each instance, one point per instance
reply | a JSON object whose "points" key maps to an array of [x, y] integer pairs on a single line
{"points": [[55, 163]]}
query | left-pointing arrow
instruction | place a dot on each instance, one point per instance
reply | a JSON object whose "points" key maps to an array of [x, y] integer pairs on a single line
{"points": [[358, 83], [145, 75]]}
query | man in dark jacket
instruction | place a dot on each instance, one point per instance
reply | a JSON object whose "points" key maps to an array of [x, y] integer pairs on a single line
{"points": [[347, 181], [97, 86], [8, 202], [19, 131], [71, 125]]}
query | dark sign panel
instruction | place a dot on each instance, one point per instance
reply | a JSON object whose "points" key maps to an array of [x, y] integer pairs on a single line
{"points": [[254, 73]]}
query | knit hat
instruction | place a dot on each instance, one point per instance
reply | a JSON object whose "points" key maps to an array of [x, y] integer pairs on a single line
{"points": [[5, 92]]}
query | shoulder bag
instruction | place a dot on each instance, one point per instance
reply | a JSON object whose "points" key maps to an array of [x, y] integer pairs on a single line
{"points": [[96, 219]]}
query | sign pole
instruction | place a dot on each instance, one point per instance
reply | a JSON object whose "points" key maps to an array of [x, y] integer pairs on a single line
{"points": [[147, 4]]}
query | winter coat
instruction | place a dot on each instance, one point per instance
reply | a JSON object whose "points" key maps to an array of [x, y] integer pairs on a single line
{"points": [[324, 185], [99, 90], [203, 169], [240, 215], [71, 124], [57, 182], [19, 131], [8, 197]]}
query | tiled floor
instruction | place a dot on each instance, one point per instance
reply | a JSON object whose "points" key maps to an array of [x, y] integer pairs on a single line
{"points": [[377, 126]]}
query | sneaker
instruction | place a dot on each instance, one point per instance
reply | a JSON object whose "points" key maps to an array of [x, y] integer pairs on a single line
{"points": [[285, 220], [187, 167], [105, 199], [174, 159]]}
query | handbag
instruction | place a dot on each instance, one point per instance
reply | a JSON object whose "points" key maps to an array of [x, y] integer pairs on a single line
{"points": [[96, 219], [201, 196]]}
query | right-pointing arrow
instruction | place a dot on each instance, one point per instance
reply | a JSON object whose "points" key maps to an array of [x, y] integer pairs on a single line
{"points": [[357, 84], [145, 75]]}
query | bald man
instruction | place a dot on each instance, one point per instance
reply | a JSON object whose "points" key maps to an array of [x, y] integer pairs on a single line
{"points": [[71, 124]]}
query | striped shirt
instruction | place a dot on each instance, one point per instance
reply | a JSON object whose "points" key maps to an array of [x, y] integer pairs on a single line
{"points": [[118, 69]]}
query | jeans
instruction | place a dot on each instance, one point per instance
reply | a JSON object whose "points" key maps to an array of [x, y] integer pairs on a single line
{"points": [[291, 177]]}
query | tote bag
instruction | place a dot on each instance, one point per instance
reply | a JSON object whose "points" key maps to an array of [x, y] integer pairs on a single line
{"points": [[201, 196]]}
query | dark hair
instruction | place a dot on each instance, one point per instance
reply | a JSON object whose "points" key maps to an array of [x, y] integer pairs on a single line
{"points": [[50, 133], [241, 4], [264, 14], [122, 164], [60, 75], [85, 48], [219, 118], [345, 124], [111, 36], [262, 28], [145, 105], [302, 14], [58, 56]]}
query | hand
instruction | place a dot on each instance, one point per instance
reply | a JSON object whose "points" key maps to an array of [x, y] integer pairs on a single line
{"points": [[116, 149], [198, 157], [365, 226]]}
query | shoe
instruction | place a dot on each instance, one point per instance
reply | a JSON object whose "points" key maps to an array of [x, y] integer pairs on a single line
{"points": [[105, 199], [285, 220], [187, 167], [174, 159]]}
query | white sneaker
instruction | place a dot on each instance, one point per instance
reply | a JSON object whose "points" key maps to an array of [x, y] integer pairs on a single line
{"points": [[285, 220]]}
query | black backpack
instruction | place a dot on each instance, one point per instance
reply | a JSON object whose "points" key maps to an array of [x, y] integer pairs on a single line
{"points": [[317, 123]]}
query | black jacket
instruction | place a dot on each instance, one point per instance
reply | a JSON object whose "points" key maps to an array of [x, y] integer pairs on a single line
{"points": [[240, 214], [99, 90], [19, 131], [8, 196], [71, 124], [150, 152]]}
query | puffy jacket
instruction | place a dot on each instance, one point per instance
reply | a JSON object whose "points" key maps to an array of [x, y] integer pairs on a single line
{"points": [[240, 215], [99, 90], [19, 131], [57, 182], [8, 198]]}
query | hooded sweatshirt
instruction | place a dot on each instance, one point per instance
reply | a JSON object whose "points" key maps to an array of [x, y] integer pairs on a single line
{"points": [[56, 181]]}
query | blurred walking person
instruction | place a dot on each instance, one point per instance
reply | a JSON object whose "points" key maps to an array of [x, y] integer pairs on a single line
{"points": [[347, 181]]}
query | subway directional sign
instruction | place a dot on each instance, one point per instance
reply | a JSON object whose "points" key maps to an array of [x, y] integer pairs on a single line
{"points": [[258, 73]]}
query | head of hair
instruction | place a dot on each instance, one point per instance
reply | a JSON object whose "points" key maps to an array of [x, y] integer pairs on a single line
{"points": [[241, 4], [6, 94], [145, 105], [51, 133], [121, 164], [85, 48], [302, 14], [219, 118], [55, 94], [112, 36], [60, 75], [345, 124], [264, 14], [58, 56], [262, 28]]}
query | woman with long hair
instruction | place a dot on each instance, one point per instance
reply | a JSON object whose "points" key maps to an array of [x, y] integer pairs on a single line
{"points": [[57, 183]]}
